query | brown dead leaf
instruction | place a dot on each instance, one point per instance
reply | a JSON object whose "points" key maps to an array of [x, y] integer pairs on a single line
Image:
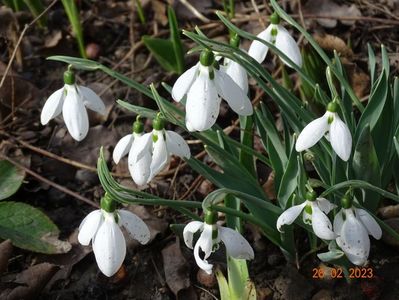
{"points": [[329, 8], [156, 225], [177, 274], [331, 42], [9, 30], [5, 254], [159, 12], [51, 40], [32, 281], [268, 187], [16, 91], [68, 260]]}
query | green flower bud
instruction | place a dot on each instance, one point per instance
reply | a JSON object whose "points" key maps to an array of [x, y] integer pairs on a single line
{"points": [[311, 196], [207, 58], [158, 123], [138, 126], [332, 107], [346, 202], [108, 204], [69, 77], [275, 18]]}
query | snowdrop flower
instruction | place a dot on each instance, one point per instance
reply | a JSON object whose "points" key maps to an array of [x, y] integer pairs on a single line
{"points": [[211, 235], [339, 134], [72, 100], [204, 84], [353, 227], [102, 226], [315, 212], [124, 145], [234, 69], [280, 37], [150, 153]]}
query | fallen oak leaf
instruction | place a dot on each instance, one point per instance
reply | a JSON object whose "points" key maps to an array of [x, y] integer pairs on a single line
{"points": [[5, 254], [32, 281]]}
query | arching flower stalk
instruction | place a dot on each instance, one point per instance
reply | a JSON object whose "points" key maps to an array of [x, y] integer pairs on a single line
{"points": [[211, 236], [204, 84], [281, 38], [353, 227], [102, 227], [339, 134], [315, 212], [150, 153], [72, 100]]}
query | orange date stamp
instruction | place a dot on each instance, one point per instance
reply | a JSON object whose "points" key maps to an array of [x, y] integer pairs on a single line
{"points": [[354, 273]]}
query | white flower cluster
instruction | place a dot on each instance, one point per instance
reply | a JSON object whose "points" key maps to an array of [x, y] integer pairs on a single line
{"points": [[351, 230], [201, 89]]}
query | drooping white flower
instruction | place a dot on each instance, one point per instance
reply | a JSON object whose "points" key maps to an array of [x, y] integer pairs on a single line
{"points": [[109, 246], [204, 85], [72, 100], [339, 134], [281, 38], [237, 73], [150, 153], [353, 227], [314, 213], [211, 235], [125, 144]]}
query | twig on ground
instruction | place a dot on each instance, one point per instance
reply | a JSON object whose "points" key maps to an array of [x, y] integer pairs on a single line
{"points": [[27, 26], [49, 182]]}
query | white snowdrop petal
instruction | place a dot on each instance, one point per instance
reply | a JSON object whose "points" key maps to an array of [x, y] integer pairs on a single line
{"points": [[321, 224], [160, 156], [203, 102], [370, 223], [109, 247], [258, 50], [338, 222], [122, 147], [325, 205], [233, 94], [177, 145], [312, 133], [340, 138], [290, 215], [183, 83], [202, 263], [139, 165], [88, 227], [237, 73], [53, 106], [286, 44], [135, 226], [206, 242], [354, 239], [91, 99], [189, 230], [75, 114], [236, 245]]}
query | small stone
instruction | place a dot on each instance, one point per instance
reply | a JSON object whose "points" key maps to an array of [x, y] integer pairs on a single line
{"points": [[206, 279], [93, 51], [389, 239]]}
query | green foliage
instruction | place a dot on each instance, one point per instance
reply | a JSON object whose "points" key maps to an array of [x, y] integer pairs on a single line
{"points": [[28, 228], [11, 179], [169, 53], [73, 15]]}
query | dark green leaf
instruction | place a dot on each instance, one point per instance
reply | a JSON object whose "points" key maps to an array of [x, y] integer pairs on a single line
{"points": [[10, 179], [28, 228], [163, 52]]}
